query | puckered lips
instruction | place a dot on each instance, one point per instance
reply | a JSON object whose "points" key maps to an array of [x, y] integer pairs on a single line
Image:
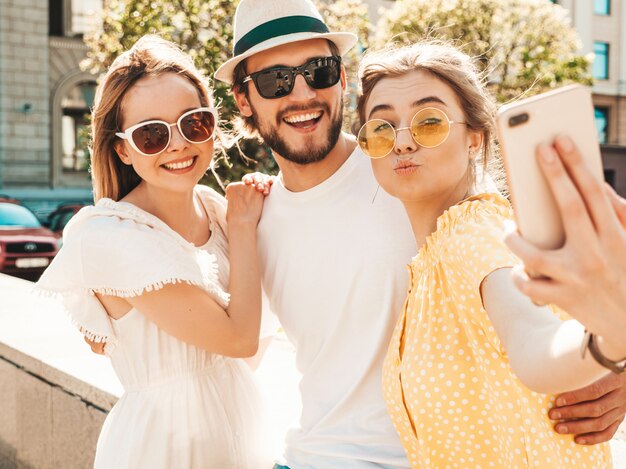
{"points": [[180, 165], [405, 167], [304, 121]]}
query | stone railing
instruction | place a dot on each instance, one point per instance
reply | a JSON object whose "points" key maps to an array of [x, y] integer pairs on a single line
{"points": [[54, 393]]}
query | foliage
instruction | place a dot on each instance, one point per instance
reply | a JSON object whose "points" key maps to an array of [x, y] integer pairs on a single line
{"points": [[203, 29], [356, 20], [523, 46]]}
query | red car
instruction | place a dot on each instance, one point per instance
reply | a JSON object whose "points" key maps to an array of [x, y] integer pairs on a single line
{"points": [[26, 247]]}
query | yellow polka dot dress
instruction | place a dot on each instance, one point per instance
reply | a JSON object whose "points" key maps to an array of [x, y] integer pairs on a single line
{"points": [[447, 382]]}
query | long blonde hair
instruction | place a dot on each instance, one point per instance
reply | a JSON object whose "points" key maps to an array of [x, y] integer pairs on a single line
{"points": [[150, 56], [454, 68]]}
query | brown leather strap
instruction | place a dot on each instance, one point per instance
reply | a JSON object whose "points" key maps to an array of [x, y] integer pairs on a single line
{"points": [[589, 342]]}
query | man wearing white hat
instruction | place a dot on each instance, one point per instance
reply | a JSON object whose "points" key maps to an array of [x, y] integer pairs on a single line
{"points": [[333, 248], [332, 268]]}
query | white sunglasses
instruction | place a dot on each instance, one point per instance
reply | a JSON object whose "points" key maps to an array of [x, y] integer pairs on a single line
{"points": [[152, 137]]}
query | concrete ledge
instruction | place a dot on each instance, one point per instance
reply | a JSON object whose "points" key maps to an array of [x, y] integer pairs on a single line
{"points": [[36, 335], [55, 394]]}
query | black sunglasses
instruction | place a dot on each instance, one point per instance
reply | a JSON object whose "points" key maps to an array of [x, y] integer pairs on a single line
{"points": [[277, 82]]}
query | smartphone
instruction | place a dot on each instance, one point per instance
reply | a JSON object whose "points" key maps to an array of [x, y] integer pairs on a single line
{"points": [[523, 125]]}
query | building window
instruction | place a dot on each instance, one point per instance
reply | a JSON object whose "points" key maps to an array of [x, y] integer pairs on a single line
{"points": [[73, 17], [75, 127], [602, 123], [85, 15], [602, 7], [601, 60], [56, 20]]}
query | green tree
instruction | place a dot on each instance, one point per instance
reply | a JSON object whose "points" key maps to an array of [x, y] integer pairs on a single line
{"points": [[524, 46], [351, 16], [204, 30]]}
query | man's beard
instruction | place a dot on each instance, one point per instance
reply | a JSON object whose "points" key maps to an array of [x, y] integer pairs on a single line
{"points": [[310, 152]]}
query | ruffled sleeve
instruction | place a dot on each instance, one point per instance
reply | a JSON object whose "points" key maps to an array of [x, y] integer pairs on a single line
{"points": [[473, 249], [122, 257], [121, 253], [63, 280]]}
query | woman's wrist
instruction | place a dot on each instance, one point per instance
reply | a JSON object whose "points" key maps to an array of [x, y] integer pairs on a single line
{"points": [[242, 227], [607, 321], [611, 350]]}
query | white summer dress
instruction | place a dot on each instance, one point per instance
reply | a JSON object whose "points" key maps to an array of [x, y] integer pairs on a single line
{"points": [[182, 407]]}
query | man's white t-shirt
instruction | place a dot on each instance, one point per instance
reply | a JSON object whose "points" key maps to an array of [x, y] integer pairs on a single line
{"points": [[334, 268]]}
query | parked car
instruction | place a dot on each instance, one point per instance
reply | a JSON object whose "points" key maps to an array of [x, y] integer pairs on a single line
{"points": [[26, 247], [59, 218]]}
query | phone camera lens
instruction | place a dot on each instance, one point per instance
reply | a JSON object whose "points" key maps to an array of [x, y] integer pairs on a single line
{"points": [[518, 119]]}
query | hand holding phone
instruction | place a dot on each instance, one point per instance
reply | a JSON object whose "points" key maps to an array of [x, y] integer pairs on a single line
{"points": [[521, 127]]}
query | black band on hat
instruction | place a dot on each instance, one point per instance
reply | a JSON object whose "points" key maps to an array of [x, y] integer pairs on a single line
{"points": [[279, 27]]}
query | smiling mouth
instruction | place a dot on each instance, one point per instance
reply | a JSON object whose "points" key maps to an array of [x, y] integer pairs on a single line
{"points": [[304, 121], [180, 164]]}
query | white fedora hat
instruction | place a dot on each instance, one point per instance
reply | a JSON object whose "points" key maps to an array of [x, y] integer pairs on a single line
{"points": [[263, 24]]}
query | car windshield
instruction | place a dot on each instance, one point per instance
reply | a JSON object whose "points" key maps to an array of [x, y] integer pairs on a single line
{"points": [[16, 216]]}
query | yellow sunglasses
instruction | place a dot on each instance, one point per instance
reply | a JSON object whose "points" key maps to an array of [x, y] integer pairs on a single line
{"points": [[429, 128]]}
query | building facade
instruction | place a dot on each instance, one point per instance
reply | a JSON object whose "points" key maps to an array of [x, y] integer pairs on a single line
{"points": [[602, 28], [44, 101]]}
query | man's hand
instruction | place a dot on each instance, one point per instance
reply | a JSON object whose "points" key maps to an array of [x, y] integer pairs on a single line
{"points": [[592, 413]]}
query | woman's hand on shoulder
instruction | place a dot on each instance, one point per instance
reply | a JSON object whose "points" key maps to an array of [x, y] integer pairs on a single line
{"points": [[260, 181], [245, 204]]}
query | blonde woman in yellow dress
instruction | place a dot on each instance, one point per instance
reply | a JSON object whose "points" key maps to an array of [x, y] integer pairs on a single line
{"points": [[473, 363]]}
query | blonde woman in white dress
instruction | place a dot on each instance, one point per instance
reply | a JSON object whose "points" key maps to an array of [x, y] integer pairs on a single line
{"points": [[147, 270]]}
